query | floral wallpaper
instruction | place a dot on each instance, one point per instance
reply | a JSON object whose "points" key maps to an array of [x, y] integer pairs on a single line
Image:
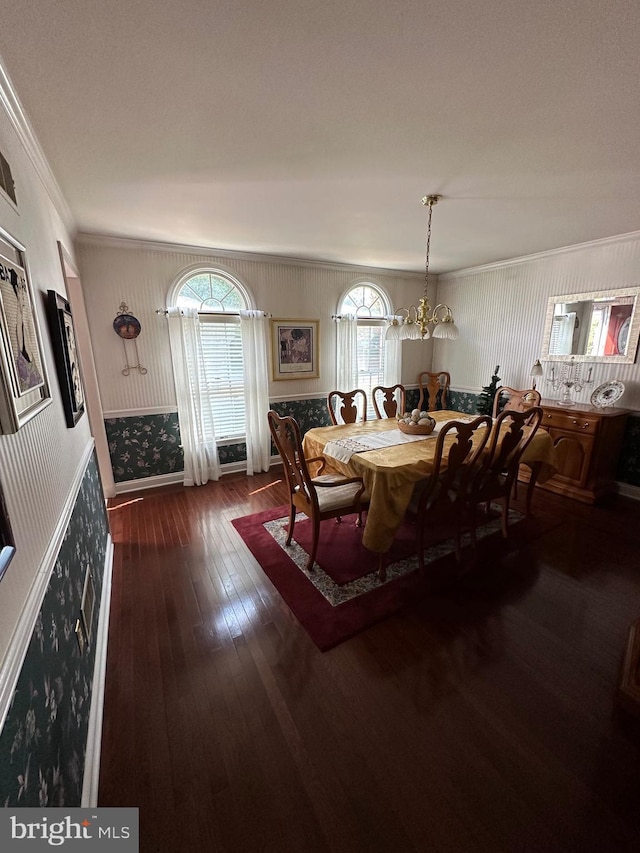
{"points": [[150, 445], [43, 742], [144, 446]]}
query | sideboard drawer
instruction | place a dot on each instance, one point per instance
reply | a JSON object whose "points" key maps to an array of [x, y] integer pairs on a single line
{"points": [[578, 422]]}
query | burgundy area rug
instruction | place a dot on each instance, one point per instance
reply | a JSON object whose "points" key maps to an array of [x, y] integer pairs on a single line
{"points": [[343, 595]]}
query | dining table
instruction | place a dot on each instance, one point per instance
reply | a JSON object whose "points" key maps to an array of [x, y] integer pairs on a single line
{"points": [[391, 463]]}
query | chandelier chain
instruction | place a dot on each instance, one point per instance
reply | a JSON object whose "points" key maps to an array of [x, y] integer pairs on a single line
{"points": [[426, 261], [413, 323]]}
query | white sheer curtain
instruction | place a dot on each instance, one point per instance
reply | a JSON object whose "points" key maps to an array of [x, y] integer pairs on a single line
{"points": [[392, 362], [201, 461], [347, 352], [254, 326]]}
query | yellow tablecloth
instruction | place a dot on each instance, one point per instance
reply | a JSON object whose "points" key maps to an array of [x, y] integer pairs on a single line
{"points": [[391, 472]]}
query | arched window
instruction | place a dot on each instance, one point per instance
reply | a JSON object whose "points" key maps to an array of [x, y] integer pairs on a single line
{"points": [[377, 359], [218, 297]]}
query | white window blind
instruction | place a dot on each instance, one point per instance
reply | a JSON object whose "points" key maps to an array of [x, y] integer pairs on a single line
{"points": [[562, 328], [224, 374]]}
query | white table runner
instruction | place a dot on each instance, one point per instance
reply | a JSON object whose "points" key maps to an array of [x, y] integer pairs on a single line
{"points": [[342, 449]]}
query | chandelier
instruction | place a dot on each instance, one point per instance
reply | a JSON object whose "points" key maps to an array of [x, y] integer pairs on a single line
{"points": [[414, 323]]}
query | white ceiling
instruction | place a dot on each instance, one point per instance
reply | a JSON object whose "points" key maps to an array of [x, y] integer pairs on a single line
{"points": [[312, 129]]}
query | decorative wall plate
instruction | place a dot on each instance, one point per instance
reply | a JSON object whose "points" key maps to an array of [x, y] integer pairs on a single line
{"points": [[607, 394], [126, 326]]}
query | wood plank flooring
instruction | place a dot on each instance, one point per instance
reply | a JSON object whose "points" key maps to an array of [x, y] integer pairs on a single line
{"points": [[481, 719]]}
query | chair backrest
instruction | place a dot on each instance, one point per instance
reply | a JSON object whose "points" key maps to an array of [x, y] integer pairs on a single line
{"points": [[463, 455], [287, 438], [517, 401], [434, 388], [348, 404], [511, 433], [389, 402]]}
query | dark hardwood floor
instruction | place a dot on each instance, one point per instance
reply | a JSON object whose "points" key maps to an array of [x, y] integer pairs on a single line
{"points": [[480, 718]]}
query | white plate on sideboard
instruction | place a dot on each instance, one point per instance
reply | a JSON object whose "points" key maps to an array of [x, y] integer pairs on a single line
{"points": [[607, 394]]}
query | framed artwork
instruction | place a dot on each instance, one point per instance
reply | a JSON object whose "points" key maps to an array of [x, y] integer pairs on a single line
{"points": [[63, 337], [25, 388], [7, 545], [295, 349]]}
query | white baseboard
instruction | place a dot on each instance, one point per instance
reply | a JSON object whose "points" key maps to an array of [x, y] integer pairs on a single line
{"points": [[168, 479], [94, 734], [149, 482]]}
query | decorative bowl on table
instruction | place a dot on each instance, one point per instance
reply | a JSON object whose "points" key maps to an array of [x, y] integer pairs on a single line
{"points": [[416, 423]]}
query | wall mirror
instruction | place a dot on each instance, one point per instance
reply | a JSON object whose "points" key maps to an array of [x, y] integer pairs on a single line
{"points": [[600, 326]]}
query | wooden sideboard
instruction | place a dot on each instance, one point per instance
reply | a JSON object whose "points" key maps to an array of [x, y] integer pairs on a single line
{"points": [[588, 442]]}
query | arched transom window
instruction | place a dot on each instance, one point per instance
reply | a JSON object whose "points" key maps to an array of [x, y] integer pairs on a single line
{"points": [[365, 301], [211, 291]]}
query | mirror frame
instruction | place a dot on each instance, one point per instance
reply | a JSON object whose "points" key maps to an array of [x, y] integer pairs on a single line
{"points": [[590, 296]]}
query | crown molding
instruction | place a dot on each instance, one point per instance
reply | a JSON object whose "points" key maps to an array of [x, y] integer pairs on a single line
{"points": [[22, 126], [549, 253], [113, 242]]}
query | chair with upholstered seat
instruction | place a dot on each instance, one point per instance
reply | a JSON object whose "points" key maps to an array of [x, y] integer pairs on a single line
{"points": [[320, 497], [350, 405], [389, 402], [442, 501], [510, 436], [517, 401], [434, 388]]}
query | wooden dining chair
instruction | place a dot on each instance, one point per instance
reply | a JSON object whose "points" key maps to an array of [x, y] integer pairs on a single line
{"points": [[320, 497], [350, 405], [511, 434], [517, 401], [389, 402], [442, 501], [434, 388]]}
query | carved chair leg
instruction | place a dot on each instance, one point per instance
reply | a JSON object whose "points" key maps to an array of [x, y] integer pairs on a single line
{"points": [[292, 521], [535, 470], [382, 569], [314, 543], [505, 514]]}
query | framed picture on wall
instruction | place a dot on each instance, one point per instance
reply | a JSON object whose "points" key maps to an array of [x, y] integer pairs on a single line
{"points": [[294, 349], [63, 337], [24, 388], [7, 545]]}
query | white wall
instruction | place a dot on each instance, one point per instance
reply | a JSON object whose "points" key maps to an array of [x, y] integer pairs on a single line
{"points": [[38, 464], [141, 274], [501, 309]]}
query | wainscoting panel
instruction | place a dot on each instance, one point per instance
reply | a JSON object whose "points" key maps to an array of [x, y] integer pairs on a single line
{"points": [[43, 741], [147, 447]]}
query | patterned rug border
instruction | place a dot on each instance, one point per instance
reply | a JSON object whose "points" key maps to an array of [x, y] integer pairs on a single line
{"points": [[336, 594]]}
